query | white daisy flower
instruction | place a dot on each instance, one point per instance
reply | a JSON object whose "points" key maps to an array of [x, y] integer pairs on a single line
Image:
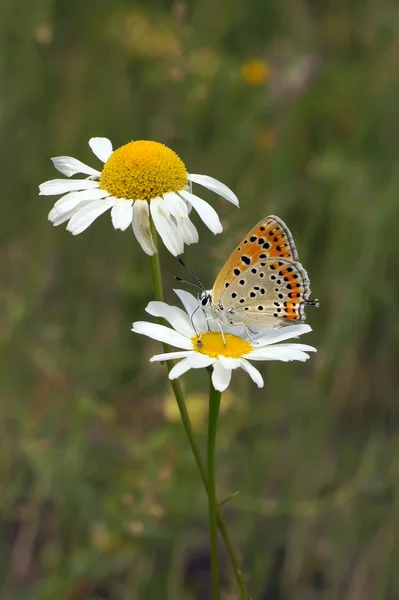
{"points": [[140, 180], [225, 353]]}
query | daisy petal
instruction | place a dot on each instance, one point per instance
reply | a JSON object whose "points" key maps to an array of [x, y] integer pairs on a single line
{"points": [[178, 208], [193, 309], [229, 363], [220, 377], [174, 315], [188, 231], [165, 226], [179, 369], [170, 355], [301, 347], [101, 147], [122, 214], [252, 372], [62, 186], [189, 301], [215, 186], [67, 165], [57, 218], [272, 336], [285, 353], [73, 199], [206, 212], [86, 215], [141, 226], [199, 361], [162, 334]]}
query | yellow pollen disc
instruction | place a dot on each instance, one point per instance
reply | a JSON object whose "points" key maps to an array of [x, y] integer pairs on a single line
{"points": [[143, 170], [211, 344]]}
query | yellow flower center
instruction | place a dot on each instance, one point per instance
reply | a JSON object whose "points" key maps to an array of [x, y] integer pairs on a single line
{"points": [[143, 170], [212, 344]]}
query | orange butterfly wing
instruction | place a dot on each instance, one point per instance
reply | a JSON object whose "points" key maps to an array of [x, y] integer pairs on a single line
{"points": [[269, 239]]}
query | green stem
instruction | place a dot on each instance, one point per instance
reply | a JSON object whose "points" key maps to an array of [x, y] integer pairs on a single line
{"points": [[158, 290], [214, 405]]}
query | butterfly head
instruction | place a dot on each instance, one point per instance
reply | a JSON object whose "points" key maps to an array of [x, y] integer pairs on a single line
{"points": [[205, 298]]}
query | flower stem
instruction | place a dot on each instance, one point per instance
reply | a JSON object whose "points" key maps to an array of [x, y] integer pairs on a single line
{"points": [[214, 405], [158, 290]]}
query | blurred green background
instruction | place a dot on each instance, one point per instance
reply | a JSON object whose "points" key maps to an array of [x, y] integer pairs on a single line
{"points": [[294, 105]]}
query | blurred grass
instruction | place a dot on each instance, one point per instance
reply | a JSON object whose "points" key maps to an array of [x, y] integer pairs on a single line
{"points": [[99, 494]]}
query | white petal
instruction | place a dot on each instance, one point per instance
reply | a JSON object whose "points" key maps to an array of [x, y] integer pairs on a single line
{"points": [[199, 361], [73, 199], [206, 212], [171, 355], [302, 347], [193, 309], [141, 226], [67, 165], [220, 377], [189, 231], [166, 227], [189, 188], [61, 186], [215, 186], [272, 336], [174, 315], [252, 372], [101, 147], [122, 214], [229, 363], [178, 208], [85, 216], [179, 369], [59, 218], [189, 301], [282, 352], [162, 334]]}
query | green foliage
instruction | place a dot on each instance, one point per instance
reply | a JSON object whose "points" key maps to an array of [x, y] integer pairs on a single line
{"points": [[100, 496]]}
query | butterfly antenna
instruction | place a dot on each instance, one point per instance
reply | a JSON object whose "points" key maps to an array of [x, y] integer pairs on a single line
{"points": [[193, 274], [189, 283]]}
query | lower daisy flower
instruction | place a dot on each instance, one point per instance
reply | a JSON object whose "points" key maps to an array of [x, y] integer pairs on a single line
{"points": [[138, 180], [225, 351]]}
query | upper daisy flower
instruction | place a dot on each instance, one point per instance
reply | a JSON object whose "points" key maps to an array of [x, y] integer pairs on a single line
{"points": [[232, 350], [139, 179]]}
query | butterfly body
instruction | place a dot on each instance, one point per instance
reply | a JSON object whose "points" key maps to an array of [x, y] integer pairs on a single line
{"points": [[262, 284]]}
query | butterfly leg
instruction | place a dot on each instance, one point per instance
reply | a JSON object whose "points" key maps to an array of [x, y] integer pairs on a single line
{"points": [[222, 332], [248, 333], [207, 319]]}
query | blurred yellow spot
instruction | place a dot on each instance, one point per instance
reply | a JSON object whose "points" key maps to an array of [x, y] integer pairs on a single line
{"points": [[104, 540], [135, 527], [197, 406], [147, 36], [212, 344], [44, 34], [143, 170], [255, 72], [155, 510], [266, 138], [204, 63], [127, 499]]}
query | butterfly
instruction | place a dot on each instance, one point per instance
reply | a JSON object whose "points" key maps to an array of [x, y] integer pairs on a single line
{"points": [[262, 284]]}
